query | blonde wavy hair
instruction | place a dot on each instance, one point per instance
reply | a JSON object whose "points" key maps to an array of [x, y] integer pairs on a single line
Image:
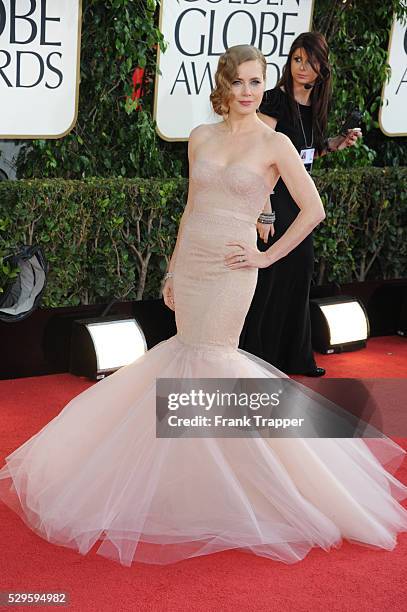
{"points": [[226, 73]]}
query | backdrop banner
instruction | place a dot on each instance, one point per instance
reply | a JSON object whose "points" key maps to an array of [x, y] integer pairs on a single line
{"points": [[393, 115], [198, 32], [39, 67]]}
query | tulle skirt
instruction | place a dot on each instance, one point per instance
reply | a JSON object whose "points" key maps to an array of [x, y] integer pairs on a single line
{"points": [[98, 475]]}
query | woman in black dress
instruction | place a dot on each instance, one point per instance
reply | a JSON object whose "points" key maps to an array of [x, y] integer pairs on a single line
{"points": [[278, 327]]}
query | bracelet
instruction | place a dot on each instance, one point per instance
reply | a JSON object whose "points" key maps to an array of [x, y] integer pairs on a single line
{"points": [[168, 275], [267, 217], [266, 220]]}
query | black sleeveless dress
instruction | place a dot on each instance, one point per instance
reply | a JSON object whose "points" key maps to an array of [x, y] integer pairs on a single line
{"points": [[278, 326]]}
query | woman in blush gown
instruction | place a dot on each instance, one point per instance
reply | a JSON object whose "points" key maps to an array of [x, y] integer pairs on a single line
{"points": [[97, 474]]}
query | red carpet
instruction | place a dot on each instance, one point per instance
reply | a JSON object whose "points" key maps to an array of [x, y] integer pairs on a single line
{"points": [[353, 578], [384, 357]]}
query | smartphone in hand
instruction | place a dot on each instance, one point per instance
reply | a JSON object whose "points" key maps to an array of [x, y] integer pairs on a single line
{"points": [[352, 122]]}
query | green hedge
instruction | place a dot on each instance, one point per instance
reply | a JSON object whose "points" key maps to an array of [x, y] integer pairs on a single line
{"points": [[106, 238]]}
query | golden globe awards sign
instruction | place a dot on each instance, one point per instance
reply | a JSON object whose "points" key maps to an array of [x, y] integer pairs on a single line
{"points": [[39, 67], [393, 114], [198, 32]]}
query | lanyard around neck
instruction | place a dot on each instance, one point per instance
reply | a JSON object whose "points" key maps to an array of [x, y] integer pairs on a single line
{"points": [[307, 146]]}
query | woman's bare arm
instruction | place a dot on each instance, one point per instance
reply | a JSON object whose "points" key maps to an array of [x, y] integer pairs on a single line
{"points": [[271, 122], [187, 210], [304, 193], [267, 206], [194, 138]]}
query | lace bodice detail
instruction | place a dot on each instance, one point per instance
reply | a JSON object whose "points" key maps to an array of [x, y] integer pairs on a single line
{"points": [[234, 188]]}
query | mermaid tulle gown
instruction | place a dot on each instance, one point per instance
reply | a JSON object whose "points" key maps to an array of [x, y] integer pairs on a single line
{"points": [[98, 474]]}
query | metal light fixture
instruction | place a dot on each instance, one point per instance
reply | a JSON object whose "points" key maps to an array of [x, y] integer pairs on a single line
{"points": [[338, 324], [102, 345]]}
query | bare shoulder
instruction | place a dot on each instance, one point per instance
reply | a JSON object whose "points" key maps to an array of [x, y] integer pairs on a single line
{"points": [[200, 132], [273, 138], [198, 136], [277, 145]]}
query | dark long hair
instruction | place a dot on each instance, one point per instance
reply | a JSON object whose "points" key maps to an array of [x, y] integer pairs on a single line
{"points": [[317, 50]]}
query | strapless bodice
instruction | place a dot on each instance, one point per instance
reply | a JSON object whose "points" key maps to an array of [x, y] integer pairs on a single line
{"points": [[233, 188]]}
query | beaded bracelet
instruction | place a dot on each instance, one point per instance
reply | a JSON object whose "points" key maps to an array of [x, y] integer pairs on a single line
{"points": [[168, 275], [267, 217]]}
